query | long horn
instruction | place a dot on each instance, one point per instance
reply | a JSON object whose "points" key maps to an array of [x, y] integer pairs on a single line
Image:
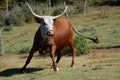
{"points": [[34, 14], [94, 40], [54, 17]]}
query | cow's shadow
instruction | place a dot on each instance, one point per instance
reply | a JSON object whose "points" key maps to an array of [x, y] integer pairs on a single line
{"points": [[13, 71]]}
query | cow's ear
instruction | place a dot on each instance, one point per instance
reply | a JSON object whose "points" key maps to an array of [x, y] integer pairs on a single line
{"points": [[54, 20], [38, 20]]}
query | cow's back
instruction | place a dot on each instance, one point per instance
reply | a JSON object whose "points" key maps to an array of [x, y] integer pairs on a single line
{"points": [[63, 32]]}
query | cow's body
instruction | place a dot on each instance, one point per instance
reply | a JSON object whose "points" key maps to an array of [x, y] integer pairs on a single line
{"points": [[63, 36]]}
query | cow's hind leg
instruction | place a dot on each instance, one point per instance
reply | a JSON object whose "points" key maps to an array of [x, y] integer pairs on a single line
{"points": [[73, 53], [28, 60], [59, 55]]}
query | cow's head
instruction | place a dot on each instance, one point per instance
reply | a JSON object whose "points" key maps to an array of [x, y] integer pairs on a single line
{"points": [[46, 22]]}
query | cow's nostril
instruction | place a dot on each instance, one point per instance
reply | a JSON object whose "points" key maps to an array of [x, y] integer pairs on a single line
{"points": [[50, 33]]}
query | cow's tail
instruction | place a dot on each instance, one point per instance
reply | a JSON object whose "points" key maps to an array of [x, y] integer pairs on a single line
{"points": [[94, 40]]}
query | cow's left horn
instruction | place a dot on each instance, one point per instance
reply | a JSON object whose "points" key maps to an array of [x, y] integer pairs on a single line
{"points": [[34, 14], [54, 17]]}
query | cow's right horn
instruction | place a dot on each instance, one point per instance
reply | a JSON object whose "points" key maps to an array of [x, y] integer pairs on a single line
{"points": [[34, 14]]}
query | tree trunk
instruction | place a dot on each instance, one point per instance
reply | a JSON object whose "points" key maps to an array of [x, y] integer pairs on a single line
{"points": [[66, 11], [1, 44], [85, 6], [7, 8]]}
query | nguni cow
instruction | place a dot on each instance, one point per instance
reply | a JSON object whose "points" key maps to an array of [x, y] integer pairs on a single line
{"points": [[53, 35]]}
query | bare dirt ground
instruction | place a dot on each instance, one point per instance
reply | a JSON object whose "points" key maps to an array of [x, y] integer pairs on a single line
{"points": [[97, 53]]}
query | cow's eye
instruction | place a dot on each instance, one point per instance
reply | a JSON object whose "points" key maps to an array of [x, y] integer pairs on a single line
{"points": [[44, 23]]}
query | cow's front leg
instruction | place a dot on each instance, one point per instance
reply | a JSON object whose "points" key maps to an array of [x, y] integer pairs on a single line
{"points": [[28, 60], [52, 55]]}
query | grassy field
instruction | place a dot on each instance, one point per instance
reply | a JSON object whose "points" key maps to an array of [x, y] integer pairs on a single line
{"points": [[103, 64], [97, 65], [106, 26], [19, 38]]}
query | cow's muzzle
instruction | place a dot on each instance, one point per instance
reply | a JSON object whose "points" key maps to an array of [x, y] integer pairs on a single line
{"points": [[50, 33]]}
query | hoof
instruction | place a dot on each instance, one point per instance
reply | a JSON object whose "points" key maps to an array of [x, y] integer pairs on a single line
{"points": [[56, 69], [73, 66]]}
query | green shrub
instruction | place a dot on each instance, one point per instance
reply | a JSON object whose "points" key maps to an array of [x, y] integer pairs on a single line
{"points": [[7, 28], [78, 9], [25, 11], [25, 49], [17, 16], [81, 46], [57, 11]]}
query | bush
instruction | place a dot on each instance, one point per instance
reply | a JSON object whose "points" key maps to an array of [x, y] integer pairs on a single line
{"points": [[17, 16], [58, 10], [78, 9], [7, 28], [7, 24], [25, 50], [25, 11], [81, 46]]}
